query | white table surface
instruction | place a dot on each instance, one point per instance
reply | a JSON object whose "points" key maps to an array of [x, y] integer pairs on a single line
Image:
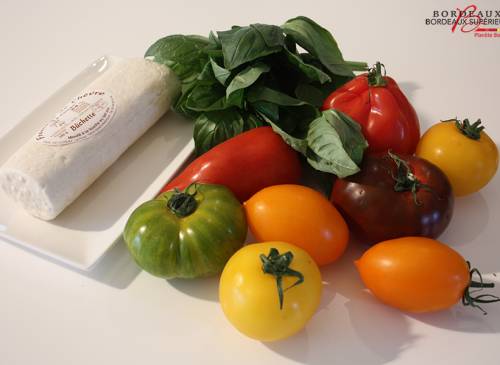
{"points": [[117, 314]]}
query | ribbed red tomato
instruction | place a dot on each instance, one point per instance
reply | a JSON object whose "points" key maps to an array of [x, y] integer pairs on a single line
{"points": [[387, 119]]}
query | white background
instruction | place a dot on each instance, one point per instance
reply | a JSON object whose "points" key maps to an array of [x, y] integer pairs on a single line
{"points": [[117, 314]]}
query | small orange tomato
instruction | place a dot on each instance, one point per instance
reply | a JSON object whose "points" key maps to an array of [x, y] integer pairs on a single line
{"points": [[414, 274], [301, 216]]}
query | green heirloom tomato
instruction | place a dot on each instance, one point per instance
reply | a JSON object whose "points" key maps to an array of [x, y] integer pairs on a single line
{"points": [[186, 234]]}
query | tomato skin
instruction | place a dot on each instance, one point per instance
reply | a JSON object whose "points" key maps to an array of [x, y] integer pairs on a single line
{"points": [[245, 164], [387, 119], [249, 297], [376, 212], [414, 274], [469, 164], [197, 245], [301, 216]]}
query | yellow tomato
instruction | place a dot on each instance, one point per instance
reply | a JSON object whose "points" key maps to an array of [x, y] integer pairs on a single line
{"points": [[465, 153], [249, 296]]}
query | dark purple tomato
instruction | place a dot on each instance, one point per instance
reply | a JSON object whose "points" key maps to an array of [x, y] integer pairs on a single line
{"points": [[395, 196]]}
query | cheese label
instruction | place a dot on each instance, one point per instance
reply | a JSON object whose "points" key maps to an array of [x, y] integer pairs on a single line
{"points": [[82, 118]]}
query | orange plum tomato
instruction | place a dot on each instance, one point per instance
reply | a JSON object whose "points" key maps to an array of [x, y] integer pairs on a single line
{"points": [[301, 216]]}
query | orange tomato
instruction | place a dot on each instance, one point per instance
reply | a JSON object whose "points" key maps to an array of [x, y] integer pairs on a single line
{"points": [[301, 216], [414, 274]]}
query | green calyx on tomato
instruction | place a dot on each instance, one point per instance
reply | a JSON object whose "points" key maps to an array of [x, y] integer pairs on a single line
{"points": [[375, 77], [248, 295], [405, 179], [277, 265], [473, 131], [468, 299], [183, 204]]}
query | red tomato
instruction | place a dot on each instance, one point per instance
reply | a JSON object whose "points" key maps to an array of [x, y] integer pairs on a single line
{"points": [[245, 164], [393, 197], [387, 119]]}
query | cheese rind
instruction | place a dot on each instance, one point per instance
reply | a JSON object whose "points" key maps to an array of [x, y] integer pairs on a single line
{"points": [[44, 179]]}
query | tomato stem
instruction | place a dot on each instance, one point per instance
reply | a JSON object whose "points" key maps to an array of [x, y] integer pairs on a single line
{"points": [[405, 180], [375, 77], [468, 299], [472, 131], [277, 265], [183, 203]]}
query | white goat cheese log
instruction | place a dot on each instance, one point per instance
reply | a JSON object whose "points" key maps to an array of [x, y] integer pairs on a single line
{"points": [[72, 150]]}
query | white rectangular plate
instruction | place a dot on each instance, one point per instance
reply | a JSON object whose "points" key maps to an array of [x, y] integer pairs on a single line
{"points": [[85, 230]]}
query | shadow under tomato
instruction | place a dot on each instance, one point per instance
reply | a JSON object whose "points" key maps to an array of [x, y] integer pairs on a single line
{"points": [[201, 288], [356, 338], [470, 218], [368, 317], [116, 268], [464, 319], [409, 88], [296, 347], [384, 330]]}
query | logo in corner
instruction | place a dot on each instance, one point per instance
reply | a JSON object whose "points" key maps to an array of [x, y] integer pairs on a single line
{"points": [[483, 23]]}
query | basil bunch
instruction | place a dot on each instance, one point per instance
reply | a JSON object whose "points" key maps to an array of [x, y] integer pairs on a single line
{"points": [[252, 76]]}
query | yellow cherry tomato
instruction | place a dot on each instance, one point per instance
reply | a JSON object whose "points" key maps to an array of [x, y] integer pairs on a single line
{"points": [[465, 153], [249, 290]]}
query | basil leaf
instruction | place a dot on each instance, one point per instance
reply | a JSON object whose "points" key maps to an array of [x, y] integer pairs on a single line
{"points": [[207, 94], [182, 53], [246, 77], [263, 93], [253, 121], [245, 44], [310, 93], [214, 41], [206, 98], [298, 144], [212, 128], [293, 116], [318, 42], [290, 44], [350, 134], [206, 76], [220, 73], [268, 110], [336, 144], [180, 104], [237, 98], [311, 72]]}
